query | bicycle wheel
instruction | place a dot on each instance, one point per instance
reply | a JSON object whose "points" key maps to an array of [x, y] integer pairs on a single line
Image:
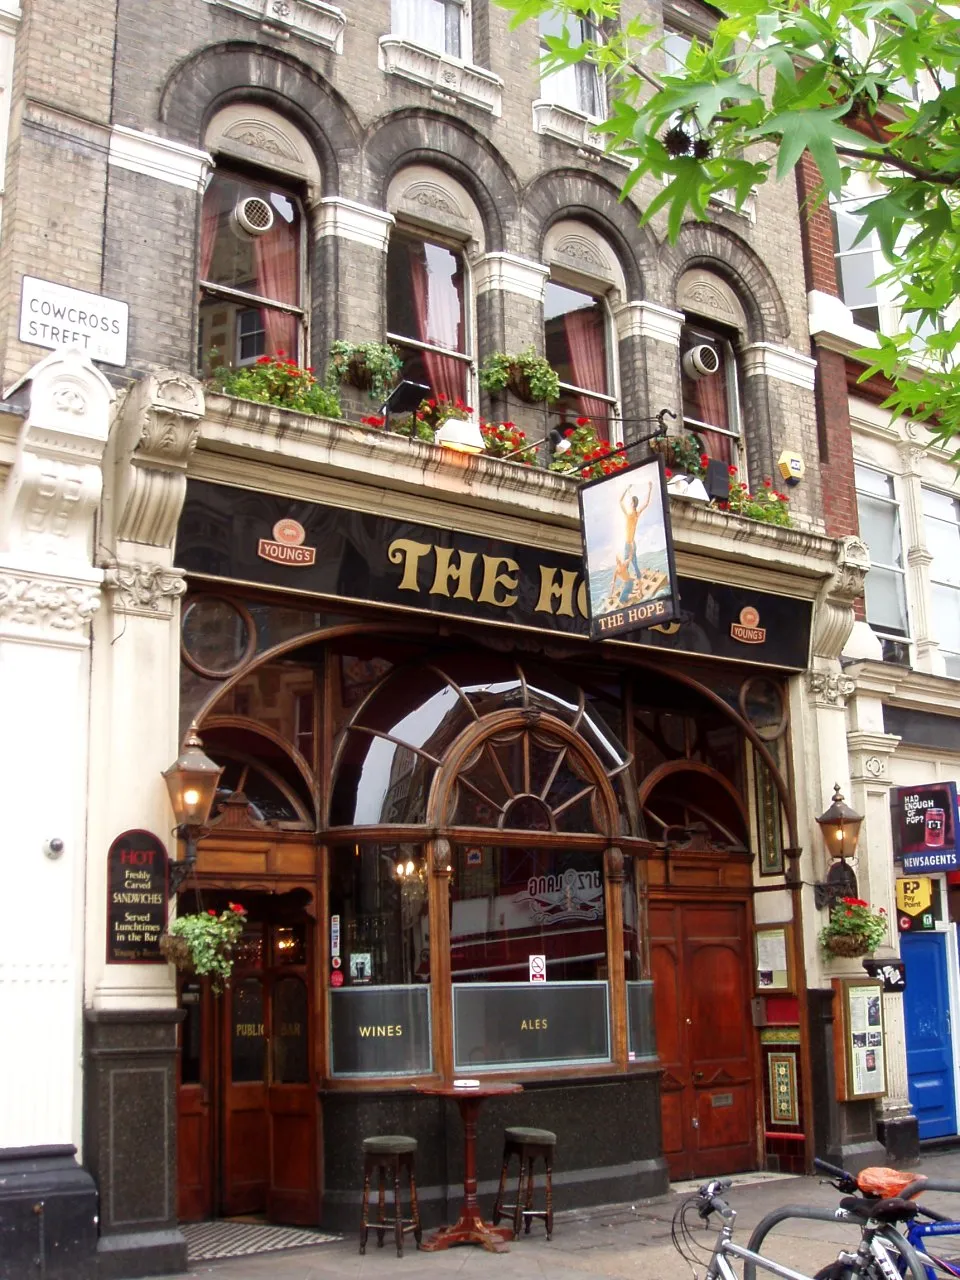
{"points": [[908, 1262]]}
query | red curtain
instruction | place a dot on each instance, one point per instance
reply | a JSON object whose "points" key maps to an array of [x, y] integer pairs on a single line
{"points": [[584, 332], [209, 222], [437, 313], [709, 404], [277, 263]]}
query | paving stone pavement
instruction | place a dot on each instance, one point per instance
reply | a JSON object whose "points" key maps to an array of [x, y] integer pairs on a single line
{"points": [[623, 1242]]}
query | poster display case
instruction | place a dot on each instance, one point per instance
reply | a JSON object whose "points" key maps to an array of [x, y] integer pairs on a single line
{"points": [[859, 1041]]}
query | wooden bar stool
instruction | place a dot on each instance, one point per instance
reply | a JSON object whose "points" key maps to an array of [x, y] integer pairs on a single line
{"points": [[528, 1145], [389, 1154]]}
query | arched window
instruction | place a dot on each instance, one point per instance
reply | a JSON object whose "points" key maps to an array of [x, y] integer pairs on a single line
{"points": [[429, 296], [253, 242], [585, 278], [710, 382]]}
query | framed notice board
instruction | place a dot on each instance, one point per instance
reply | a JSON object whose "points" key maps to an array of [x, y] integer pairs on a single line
{"points": [[773, 958], [859, 1039]]}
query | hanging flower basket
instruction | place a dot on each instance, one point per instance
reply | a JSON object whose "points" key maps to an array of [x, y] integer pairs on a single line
{"points": [[530, 377], [177, 951], [853, 928], [203, 943], [848, 944]]}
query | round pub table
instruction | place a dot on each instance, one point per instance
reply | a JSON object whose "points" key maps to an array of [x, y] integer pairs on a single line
{"points": [[469, 1227]]}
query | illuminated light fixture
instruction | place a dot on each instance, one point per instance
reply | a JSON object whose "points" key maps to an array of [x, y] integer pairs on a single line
{"points": [[192, 782], [464, 436], [840, 826]]}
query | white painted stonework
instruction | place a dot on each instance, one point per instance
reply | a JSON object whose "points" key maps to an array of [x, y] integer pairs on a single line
{"points": [[352, 221], [509, 273], [159, 158], [312, 20], [49, 593], [448, 77]]}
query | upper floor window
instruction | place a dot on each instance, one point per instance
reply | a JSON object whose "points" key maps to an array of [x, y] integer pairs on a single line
{"points": [[941, 514], [440, 25], [711, 390], [251, 272], [426, 314], [858, 263], [885, 588], [577, 344], [577, 87]]}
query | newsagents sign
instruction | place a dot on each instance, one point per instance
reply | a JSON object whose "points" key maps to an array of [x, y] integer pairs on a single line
{"points": [[52, 315], [925, 822]]}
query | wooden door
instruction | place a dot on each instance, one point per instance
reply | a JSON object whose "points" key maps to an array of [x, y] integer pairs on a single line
{"points": [[195, 1106], [700, 960], [244, 1169], [247, 1102]]}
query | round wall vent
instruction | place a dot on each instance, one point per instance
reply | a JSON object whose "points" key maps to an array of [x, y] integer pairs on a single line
{"points": [[254, 216], [700, 361]]}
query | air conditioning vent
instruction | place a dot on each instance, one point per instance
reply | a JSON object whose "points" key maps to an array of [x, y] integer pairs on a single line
{"points": [[254, 216], [701, 361]]}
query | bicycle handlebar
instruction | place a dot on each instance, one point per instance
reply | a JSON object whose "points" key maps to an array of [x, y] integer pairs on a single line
{"points": [[844, 1181]]}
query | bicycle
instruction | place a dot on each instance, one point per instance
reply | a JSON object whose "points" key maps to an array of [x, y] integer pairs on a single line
{"points": [[873, 1186], [882, 1254]]}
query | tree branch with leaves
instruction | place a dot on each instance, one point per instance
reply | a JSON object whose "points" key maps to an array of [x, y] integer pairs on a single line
{"points": [[777, 79]]}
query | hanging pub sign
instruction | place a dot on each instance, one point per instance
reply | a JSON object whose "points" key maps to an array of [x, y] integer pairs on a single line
{"points": [[925, 827], [629, 571], [137, 894]]}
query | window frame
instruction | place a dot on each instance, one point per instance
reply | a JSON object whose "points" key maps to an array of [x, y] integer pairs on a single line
{"points": [[583, 69], [940, 582], [456, 14], [613, 423], [888, 639], [692, 327], [468, 357], [289, 190]]}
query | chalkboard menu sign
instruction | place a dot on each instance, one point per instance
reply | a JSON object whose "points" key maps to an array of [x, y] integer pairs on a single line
{"points": [[641, 1031], [380, 1031], [137, 893], [508, 1024]]}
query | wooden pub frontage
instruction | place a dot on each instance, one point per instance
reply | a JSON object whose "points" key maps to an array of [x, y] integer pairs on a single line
{"points": [[436, 790]]}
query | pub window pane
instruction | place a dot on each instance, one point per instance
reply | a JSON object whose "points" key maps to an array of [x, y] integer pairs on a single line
{"points": [[509, 904], [248, 1045], [379, 891], [290, 1028], [191, 1033], [575, 336], [426, 317]]}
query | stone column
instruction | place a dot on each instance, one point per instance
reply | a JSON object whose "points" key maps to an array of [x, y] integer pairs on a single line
{"points": [[49, 592], [919, 559], [649, 344], [131, 1013], [778, 392], [821, 760], [349, 277], [870, 752], [509, 290]]}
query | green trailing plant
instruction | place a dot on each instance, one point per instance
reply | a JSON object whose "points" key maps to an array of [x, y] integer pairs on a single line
{"points": [[506, 440], [204, 942], [683, 453], [853, 928], [278, 380], [373, 367], [766, 505], [527, 375], [584, 455]]}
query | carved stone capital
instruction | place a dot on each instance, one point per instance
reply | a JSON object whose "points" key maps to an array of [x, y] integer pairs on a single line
{"points": [[834, 613], [146, 589], [53, 489], [38, 608], [159, 428], [830, 689]]}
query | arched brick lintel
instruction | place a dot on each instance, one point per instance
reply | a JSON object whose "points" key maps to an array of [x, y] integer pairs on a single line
{"points": [[591, 199], [716, 249], [424, 137], [239, 72]]}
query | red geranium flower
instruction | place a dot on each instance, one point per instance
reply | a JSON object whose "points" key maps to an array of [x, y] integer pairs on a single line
{"points": [[668, 473], [210, 911], [583, 422], [568, 433], [235, 906], [263, 360], [731, 471], [704, 460]]}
